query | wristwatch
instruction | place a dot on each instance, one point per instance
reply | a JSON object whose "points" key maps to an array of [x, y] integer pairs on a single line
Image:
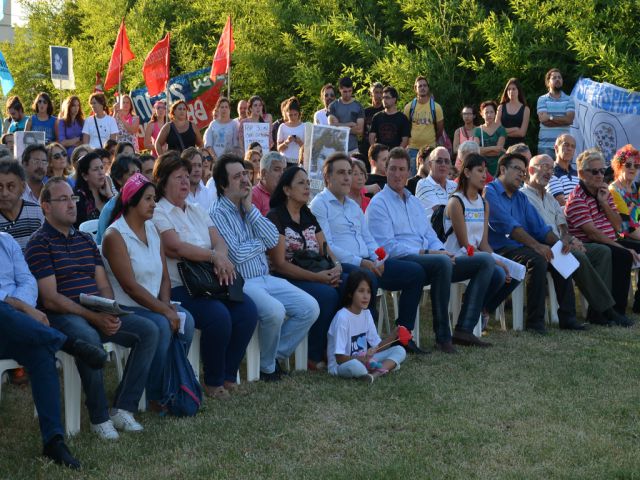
{"points": [[551, 117]]}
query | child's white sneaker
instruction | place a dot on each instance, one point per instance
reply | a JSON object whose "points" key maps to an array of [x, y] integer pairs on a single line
{"points": [[105, 430], [124, 420]]}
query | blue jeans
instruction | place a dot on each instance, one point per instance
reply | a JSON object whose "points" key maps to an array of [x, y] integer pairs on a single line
{"points": [[329, 299], [155, 379], [226, 329], [413, 164], [276, 298], [137, 333], [34, 345], [498, 289], [478, 269], [547, 151], [355, 368]]}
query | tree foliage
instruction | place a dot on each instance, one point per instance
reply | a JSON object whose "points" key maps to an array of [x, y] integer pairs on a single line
{"points": [[467, 48]]}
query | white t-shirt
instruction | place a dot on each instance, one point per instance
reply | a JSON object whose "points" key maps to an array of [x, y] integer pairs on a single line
{"points": [[107, 126], [221, 136], [474, 221], [191, 224], [348, 334], [293, 149], [145, 261], [321, 117], [204, 197]]}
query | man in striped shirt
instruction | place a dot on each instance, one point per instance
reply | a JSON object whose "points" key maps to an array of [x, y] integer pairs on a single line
{"points": [[565, 177], [67, 263], [556, 111], [18, 217], [248, 235]]}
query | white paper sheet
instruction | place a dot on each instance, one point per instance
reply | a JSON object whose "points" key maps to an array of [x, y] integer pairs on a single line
{"points": [[516, 270], [565, 264]]}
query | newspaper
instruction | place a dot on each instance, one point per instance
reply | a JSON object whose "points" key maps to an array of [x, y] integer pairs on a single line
{"points": [[101, 304]]}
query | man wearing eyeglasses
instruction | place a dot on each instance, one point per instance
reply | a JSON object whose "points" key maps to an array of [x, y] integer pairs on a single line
{"points": [[389, 126], [517, 232], [593, 277], [436, 188], [592, 217], [34, 161], [18, 217], [66, 263]]}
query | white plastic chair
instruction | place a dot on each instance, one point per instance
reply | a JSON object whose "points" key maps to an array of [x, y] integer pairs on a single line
{"points": [[6, 365], [90, 226]]}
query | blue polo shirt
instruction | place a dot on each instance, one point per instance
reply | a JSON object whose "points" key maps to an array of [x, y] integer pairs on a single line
{"points": [[507, 213], [72, 259]]}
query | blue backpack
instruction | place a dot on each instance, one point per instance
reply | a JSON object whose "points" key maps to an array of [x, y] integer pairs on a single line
{"points": [[182, 391]]}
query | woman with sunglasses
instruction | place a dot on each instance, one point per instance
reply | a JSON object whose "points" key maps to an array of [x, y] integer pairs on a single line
{"points": [[127, 120], [59, 164], [43, 119], [151, 131], [624, 189], [69, 124]]}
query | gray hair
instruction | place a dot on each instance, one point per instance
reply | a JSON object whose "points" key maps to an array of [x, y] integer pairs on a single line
{"points": [[434, 153], [586, 158], [270, 157], [468, 147]]}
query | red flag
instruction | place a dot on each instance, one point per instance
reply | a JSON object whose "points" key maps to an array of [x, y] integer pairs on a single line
{"points": [[156, 67], [222, 58], [121, 55]]}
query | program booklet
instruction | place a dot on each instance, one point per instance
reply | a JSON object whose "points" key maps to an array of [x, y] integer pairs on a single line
{"points": [[101, 304]]}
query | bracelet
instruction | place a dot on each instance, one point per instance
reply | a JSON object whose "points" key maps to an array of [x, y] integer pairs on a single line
{"points": [[211, 259]]}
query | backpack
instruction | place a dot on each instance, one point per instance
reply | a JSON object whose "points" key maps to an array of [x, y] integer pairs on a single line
{"points": [[182, 391], [437, 219], [443, 140]]}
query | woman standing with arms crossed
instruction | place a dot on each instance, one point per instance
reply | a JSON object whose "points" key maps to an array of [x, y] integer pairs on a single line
{"points": [[513, 113], [179, 134], [69, 124]]}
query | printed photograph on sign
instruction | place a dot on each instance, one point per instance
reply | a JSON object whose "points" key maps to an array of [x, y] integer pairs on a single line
{"points": [[22, 140], [320, 142], [256, 132]]}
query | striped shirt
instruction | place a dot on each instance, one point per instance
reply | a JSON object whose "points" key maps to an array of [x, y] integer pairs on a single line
{"points": [[72, 259], [582, 208], [562, 181], [248, 238], [556, 107], [28, 221]]}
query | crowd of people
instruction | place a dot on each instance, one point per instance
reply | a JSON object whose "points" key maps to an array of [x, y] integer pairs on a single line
{"points": [[404, 208]]}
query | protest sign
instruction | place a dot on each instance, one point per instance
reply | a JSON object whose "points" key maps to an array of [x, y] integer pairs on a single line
{"points": [[256, 132], [22, 140], [320, 141], [62, 75]]}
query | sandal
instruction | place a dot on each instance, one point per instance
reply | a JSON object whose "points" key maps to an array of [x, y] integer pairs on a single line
{"points": [[219, 393]]}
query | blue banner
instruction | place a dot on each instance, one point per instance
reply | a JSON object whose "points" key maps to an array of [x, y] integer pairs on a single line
{"points": [[6, 80]]}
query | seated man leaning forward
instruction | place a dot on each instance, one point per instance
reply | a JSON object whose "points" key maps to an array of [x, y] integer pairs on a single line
{"points": [[517, 231], [593, 277], [398, 222], [26, 337], [67, 263], [349, 239], [248, 235]]}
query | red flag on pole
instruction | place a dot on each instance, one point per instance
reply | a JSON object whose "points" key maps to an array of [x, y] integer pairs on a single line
{"points": [[222, 57], [121, 55], [156, 67]]}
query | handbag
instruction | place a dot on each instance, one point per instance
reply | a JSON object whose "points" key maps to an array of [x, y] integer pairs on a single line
{"points": [[313, 261], [200, 281]]}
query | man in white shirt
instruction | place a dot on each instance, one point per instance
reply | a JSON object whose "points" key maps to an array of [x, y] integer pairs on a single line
{"points": [[199, 195], [436, 188], [327, 95], [398, 222]]}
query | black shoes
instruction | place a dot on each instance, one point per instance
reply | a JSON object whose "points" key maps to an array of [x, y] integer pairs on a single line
{"points": [[93, 355], [573, 325], [617, 319], [446, 347], [468, 340], [412, 348], [276, 376], [537, 329], [57, 451]]}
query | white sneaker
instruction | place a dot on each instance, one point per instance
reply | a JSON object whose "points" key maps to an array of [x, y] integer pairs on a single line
{"points": [[124, 420], [105, 430]]}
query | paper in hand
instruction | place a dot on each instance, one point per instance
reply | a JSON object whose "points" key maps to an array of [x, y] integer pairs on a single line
{"points": [[564, 263]]}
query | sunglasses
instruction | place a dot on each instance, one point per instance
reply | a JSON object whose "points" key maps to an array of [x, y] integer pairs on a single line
{"points": [[631, 165], [595, 171], [207, 159], [58, 156]]}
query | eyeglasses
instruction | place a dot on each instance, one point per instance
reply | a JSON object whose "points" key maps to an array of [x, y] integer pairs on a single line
{"points": [[595, 171], [207, 159], [518, 169], [442, 161], [631, 165], [36, 161], [58, 156], [544, 166], [65, 199]]}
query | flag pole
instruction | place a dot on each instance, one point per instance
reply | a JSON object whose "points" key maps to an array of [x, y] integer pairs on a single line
{"points": [[120, 66], [166, 85], [229, 60]]}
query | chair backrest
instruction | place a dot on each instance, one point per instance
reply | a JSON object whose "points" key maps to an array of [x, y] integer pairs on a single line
{"points": [[90, 226]]}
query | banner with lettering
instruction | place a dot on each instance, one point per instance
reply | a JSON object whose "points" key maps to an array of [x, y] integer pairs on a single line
{"points": [[195, 88], [607, 117]]}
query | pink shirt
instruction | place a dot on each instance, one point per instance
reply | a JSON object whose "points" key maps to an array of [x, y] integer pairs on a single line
{"points": [[260, 198]]}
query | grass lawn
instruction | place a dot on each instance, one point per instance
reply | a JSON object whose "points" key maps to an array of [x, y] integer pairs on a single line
{"points": [[563, 406]]}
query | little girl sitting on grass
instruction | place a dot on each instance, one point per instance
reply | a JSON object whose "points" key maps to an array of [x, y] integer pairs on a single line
{"points": [[354, 348]]}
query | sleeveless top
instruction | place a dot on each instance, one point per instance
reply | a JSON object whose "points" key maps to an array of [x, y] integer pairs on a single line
{"points": [[146, 262], [46, 126], [123, 134], [474, 221], [188, 138], [512, 121], [155, 130]]}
